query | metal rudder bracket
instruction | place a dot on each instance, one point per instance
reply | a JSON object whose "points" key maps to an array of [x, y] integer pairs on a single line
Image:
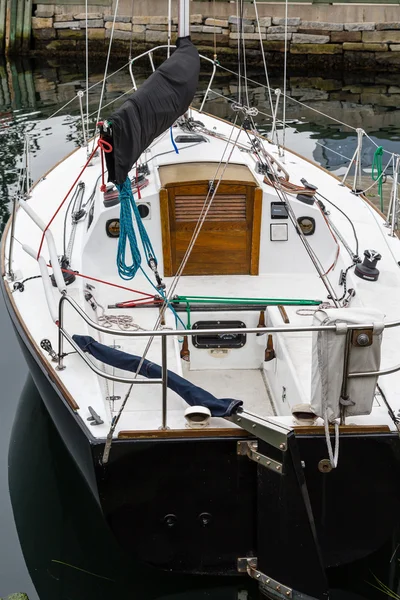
{"points": [[249, 565], [249, 449]]}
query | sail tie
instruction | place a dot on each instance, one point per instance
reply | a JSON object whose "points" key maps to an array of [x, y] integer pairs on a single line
{"points": [[128, 236], [377, 173]]}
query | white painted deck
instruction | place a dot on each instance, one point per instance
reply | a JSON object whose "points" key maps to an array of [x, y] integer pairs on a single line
{"points": [[285, 271]]}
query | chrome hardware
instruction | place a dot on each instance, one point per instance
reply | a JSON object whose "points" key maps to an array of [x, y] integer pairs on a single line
{"points": [[94, 417], [249, 565], [47, 347], [249, 449]]}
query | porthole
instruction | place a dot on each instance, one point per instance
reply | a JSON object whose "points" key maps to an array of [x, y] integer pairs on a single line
{"points": [[144, 209], [307, 225]]}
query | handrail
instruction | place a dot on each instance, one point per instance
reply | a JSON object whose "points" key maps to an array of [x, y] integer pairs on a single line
{"points": [[163, 333], [150, 54], [190, 332]]}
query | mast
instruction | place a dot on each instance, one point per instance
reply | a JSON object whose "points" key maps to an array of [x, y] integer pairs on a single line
{"points": [[184, 18]]}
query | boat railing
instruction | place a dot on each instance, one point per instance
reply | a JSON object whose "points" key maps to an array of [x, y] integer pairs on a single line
{"points": [[150, 53], [164, 334]]}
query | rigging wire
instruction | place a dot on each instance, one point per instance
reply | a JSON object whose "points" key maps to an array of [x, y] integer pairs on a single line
{"points": [[106, 67], [285, 78], [347, 217], [87, 72], [263, 56]]}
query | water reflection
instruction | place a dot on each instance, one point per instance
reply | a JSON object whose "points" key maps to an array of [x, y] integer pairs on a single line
{"points": [[69, 551], [32, 94], [71, 554]]}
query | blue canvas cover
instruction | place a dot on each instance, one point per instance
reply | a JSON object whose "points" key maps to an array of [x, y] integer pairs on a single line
{"points": [[192, 394]]}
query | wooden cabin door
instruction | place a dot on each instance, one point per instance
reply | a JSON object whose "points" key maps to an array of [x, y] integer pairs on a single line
{"points": [[228, 243]]}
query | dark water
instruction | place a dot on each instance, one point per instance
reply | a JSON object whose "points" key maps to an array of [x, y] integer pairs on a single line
{"points": [[58, 543]]}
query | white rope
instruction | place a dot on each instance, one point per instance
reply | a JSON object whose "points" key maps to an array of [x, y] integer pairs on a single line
{"points": [[263, 56], [106, 68], [333, 455]]}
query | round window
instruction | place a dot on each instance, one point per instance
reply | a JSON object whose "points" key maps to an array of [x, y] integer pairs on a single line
{"points": [[144, 210]]}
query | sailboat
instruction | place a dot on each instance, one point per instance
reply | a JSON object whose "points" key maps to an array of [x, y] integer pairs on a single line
{"points": [[212, 323]]}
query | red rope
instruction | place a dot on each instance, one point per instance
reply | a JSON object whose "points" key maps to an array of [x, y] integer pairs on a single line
{"points": [[69, 191], [104, 147], [121, 287]]}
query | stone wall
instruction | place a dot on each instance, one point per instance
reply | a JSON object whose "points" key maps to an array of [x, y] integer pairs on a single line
{"points": [[349, 46]]}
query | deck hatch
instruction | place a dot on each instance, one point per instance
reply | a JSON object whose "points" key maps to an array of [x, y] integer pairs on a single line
{"points": [[219, 340]]}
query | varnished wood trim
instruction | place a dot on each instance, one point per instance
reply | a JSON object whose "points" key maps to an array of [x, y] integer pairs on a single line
{"points": [[256, 232], [343, 429], [230, 182], [165, 232], [51, 372], [183, 433], [284, 314]]}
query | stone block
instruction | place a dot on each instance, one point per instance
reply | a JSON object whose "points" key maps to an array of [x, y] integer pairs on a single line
{"points": [[247, 36], [281, 29], [272, 46], [246, 28], [264, 22], [161, 27], [138, 28], [345, 97], [260, 30], [315, 48], [394, 89], [306, 94], [156, 36], [216, 22], [93, 24], [45, 13], [395, 47], [345, 36], [293, 21], [233, 20], [386, 37], [123, 35], [302, 38], [312, 31], [57, 45], [207, 39], [120, 26], [353, 89], [42, 22], [318, 83], [158, 20], [64, 17], [66, 25], [96, 34], [356, 60], [278, 36], [206, 29], [381, 99], [359, 26], [196, 28], [140, 20], [322, 25], [384, 26], [388, 58], [70, 34], [90, 16], [195, 19], [365, 47], [47, 33], [121, 19]]}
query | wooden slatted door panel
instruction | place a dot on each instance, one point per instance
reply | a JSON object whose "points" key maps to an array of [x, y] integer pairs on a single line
{"points": [[224, 244]]}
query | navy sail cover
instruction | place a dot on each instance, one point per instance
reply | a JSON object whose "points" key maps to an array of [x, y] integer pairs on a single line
{"points": [[152, 109], [192, 394]]}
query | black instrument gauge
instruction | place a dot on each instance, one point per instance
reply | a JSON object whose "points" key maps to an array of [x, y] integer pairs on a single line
{"points": [[307, 225]]}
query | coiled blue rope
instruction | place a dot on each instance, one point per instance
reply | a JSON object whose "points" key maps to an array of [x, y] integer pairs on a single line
{"points": [[127, 234]]}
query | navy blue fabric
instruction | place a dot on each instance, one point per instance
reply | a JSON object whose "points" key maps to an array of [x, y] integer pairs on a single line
{"points": [[192, 394]]}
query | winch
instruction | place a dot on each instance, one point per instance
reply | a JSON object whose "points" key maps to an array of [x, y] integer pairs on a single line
{"points": [[367, 269]]}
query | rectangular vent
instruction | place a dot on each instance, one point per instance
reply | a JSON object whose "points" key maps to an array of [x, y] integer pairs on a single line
{"points": [[224, 207]]}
